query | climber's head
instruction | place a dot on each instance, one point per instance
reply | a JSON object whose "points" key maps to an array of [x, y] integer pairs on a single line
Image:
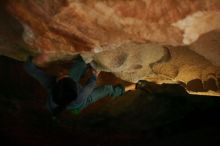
{"points": [[64, 91]]}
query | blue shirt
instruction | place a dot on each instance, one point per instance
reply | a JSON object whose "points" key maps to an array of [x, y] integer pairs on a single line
{"points": [[87, 94]]}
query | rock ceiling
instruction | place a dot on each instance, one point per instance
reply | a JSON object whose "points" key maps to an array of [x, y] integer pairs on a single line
{"points": [[164, 41]]}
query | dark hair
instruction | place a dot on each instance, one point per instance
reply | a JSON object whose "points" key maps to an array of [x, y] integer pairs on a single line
{"points": [[64, 91]]}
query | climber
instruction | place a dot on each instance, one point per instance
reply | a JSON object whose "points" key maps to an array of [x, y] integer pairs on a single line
{"points": [[66, 92]]}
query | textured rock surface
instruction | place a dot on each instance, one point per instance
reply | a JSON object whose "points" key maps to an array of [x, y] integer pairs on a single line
{"points": [[62, 27], [162, 65], [58, 29], [10, 35], [131, 62]]}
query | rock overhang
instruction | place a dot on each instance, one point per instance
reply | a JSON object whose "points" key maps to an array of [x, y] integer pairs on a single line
{"points": [[57, 30]]}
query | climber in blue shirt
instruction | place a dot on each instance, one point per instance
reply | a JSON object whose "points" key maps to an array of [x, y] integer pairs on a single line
{"points": [[66, 92]]}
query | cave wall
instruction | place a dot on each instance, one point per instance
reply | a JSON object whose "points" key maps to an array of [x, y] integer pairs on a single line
{"points": [[185, 33]]}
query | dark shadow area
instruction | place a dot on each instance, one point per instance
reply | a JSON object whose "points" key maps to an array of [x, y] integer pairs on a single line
{"points": [[165, 118], [11, 41]]}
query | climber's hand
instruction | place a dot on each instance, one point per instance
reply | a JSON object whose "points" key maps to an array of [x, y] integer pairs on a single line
{"points": [[130, 87], [144, 85]]}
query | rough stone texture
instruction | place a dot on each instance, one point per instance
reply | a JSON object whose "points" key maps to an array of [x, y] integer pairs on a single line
{"points": [[208, 46], [197, 24], [131, 62], [62, 27], [161, 65], [104, 29], [10, 35], [186, 66]]}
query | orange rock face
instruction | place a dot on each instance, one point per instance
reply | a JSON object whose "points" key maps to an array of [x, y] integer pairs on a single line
{"points": [[61, 26], [57, 29]]}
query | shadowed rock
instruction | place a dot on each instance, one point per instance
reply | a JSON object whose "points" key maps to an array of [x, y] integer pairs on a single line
{"points": [[195, 85], [210, 84]]}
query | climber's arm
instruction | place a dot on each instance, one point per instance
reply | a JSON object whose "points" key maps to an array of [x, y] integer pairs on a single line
{"points": [[44, 79], [108, 90], [130, 87], [99, 93], [78, 69]]}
